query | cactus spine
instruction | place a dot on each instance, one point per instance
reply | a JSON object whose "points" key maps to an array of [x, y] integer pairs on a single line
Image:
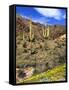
{"points": [[31, 35]]}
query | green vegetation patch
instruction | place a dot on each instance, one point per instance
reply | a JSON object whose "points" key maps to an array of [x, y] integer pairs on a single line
{"points": [[56, 74]]}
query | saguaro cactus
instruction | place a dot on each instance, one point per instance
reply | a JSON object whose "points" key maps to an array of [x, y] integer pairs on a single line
{"points": [[23, 36], [48, 31], [45, 32], [31, 33]]}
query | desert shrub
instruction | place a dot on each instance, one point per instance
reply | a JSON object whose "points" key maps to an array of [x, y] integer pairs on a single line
{"points": [[21, 74], [24, 44], [17, 66], [18, 42], [33, 51], [62, 59], [24, 50], [40, 46], [20, 66], [32, 40]]}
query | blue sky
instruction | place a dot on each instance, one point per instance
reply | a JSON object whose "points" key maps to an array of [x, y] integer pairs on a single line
{"points": [[43, 15]]}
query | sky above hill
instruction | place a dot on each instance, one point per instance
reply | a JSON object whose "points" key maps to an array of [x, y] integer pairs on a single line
{"points": [[43, 15]]}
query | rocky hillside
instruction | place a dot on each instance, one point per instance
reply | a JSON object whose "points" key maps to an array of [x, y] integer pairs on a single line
{"points": [[41, 54], [22, 24]]}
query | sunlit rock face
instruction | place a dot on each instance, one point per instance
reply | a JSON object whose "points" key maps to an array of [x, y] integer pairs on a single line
{"points": [[29, 71]]}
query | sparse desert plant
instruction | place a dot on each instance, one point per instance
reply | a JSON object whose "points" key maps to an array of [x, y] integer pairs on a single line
{"points": [[25, 50], [24, 44], [33, 51]]}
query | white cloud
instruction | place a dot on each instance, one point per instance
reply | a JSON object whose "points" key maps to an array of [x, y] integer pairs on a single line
{"points": [[64, 16], [23, 16], [41, 20], [52, 13]]}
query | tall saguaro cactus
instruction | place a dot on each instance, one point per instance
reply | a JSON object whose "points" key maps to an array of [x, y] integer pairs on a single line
{"points": [[31, 33], [45, 32], [23, 36], [48, 31]]}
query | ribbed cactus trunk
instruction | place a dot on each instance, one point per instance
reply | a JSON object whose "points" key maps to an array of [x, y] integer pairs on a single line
{"points": [[30, 27], [48, 31], [23, 36], [45, 32], [31, 33]]}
